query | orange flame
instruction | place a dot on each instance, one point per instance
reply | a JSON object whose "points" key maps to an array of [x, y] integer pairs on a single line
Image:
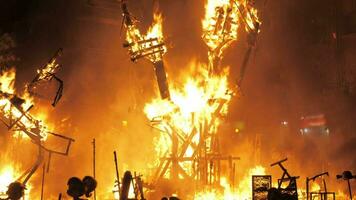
{"points": [[243, 191], [7, 80], [201, 100], [153, 40], [221, 22]]}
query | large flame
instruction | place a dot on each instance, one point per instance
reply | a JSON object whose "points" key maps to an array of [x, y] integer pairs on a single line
{"points": [[7, 89], [7, 81], [199, 102], [7, 176], [221, 22], [197, 106]]}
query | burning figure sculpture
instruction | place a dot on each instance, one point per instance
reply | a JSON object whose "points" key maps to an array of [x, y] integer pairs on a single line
{"points": [[188, 121], [150, 46], [220, 26]]}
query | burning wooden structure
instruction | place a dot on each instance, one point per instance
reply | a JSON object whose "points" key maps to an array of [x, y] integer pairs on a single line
{"points": [[193, 152], [291, 189], [45, 75], [150, 46], [324, 195], [15, 115]]}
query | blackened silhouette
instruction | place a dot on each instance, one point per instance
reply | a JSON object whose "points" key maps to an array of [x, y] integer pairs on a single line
{"points": [[78, 188], [347, 176], [15, 191], [288, 193]]}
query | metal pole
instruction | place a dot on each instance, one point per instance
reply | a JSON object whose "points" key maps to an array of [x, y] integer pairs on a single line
{"points": [[162, 80], [233, 175], [43, 179], [307, 188], [325, 189], [49, 161], [94, 165], [117, 173], [348, 182]]}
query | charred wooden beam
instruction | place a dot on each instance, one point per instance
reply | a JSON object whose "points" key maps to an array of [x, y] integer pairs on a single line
{"points": [[162, 80]]}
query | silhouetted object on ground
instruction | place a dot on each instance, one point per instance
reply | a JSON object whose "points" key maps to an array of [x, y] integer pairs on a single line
{"points": [[170, 198], [131, 181], [75, 188], [347, 176], [78, 188], [260, 186], [117, 181], [94, 164], [288, 193], [89, 184], [15, 191], [126, 181], [47, 74], [323, 195], [274, 194]]}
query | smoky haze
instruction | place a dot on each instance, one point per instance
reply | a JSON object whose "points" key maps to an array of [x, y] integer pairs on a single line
{"points": [[293, 72]]}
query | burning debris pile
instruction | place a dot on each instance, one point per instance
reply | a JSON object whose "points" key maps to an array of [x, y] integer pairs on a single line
{"points": [[47, 74]]}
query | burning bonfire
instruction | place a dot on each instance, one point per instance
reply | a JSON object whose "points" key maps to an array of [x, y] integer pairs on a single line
{"points": [[188, 117]]}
